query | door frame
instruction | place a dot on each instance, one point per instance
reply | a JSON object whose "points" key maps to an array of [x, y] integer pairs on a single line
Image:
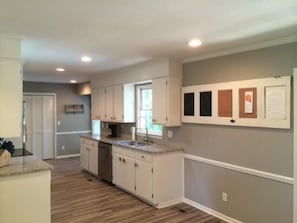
{"points": [[55, 114], [295, 145]]}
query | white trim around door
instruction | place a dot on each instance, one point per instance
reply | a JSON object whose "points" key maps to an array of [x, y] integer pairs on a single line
{"points": [[295, 145], [55, 114]]}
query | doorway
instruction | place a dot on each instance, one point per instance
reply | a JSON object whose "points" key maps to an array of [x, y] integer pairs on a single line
{"points": [[40, 114]]}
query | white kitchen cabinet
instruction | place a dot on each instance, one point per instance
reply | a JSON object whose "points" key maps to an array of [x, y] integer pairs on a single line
{"points": [[167, 100], [101, 103], [153, 177], [11, 90], [109, 104], [123, 168], [89, 155], [115, 103], [98, 103], [144, 179]]}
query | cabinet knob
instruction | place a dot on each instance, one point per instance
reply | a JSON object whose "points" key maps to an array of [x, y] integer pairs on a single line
{"points": [[142, 156], [135, 164], [120, 159], [124, 160]]}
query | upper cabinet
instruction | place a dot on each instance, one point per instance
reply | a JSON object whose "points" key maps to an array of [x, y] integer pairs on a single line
{"points": [[167, 97], [11, 90], [114, 103]]}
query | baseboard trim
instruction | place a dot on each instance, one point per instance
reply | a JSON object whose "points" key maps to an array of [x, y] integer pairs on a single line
{"points": [[211, 211], [254, 172], [68, 156], [169, 203], [74, 132]]}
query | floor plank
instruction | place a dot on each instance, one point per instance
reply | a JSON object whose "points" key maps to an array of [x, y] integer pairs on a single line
{"points": [[78, 197]]}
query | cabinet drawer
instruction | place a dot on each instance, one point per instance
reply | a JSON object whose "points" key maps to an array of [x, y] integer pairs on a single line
{"points": [[93, 143], [123, 151], [89, 142], [144, 156], [83, 141]]}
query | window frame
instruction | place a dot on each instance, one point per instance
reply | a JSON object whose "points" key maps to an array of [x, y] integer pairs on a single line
{"points": [[141, 130]]}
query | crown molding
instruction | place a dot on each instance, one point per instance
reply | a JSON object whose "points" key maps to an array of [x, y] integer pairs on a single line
{"points": [[281, 41]]}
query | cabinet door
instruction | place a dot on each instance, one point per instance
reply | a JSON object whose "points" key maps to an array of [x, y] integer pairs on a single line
{"points": [[94, 104], [101, 104], [118, 103], [84, 157], [109, 103], [117, 174], [123, 172], [144, 180], [128, 181], [159, 91], [93, 159]]}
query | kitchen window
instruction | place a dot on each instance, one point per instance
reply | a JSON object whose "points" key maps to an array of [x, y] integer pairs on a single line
{"points": [[144, 111]]}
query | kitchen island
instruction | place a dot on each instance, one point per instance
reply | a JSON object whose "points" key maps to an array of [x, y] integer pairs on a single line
{"points": [[25, 191]]}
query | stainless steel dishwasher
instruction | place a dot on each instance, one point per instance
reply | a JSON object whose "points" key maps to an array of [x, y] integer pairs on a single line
{"points": [[105, 161]]}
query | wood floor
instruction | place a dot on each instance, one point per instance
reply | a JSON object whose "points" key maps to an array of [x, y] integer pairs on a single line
{"points": [[78, 197]]}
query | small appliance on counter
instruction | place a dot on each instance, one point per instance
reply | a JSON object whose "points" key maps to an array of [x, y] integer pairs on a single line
{"points": [[115, 130]]}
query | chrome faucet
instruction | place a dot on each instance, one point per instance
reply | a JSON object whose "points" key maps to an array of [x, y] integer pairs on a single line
{"points": [[146, 137]]}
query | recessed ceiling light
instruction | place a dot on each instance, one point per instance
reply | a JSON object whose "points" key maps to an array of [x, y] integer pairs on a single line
{"points": [[194, 43], [73, 81], [86, 59], [60, 69]]}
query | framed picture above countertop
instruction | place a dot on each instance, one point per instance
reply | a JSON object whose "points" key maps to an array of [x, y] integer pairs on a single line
{"points": [[262, 102], [74, 108]]}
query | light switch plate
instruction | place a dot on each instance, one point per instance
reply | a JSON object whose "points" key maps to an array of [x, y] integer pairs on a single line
{"points": [[169, 134]]}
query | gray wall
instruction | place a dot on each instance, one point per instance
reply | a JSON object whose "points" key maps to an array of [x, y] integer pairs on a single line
{"points": [[251, 199], [66, 94]]}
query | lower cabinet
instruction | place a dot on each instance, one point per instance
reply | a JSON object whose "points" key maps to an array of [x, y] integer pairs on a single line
{"points": [[144, 179], [123, 168], [153, 177], [89, 155]]}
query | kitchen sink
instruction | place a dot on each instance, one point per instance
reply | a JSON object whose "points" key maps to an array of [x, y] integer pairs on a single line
{"points": [[134, 143]]}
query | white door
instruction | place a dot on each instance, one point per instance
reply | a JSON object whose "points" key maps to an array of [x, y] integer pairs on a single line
{"points": [[40, 125]]}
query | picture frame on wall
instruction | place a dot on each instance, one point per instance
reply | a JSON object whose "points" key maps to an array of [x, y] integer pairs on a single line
{"points": [[74, 108]]}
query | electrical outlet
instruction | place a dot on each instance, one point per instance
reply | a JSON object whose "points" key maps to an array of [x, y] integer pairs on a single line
{"points": [[63, 147], [225, 196]]}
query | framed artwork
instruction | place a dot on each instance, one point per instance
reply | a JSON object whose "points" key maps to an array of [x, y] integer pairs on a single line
{"points": [[74, 108], [248, 103]]}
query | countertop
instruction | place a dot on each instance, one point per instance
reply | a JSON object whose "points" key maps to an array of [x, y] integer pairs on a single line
{"points": [[24, 164], [151, 148], [103, 138]]}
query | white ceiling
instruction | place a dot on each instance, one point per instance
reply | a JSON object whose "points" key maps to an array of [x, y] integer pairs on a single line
{"points": [[118, 33]]}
